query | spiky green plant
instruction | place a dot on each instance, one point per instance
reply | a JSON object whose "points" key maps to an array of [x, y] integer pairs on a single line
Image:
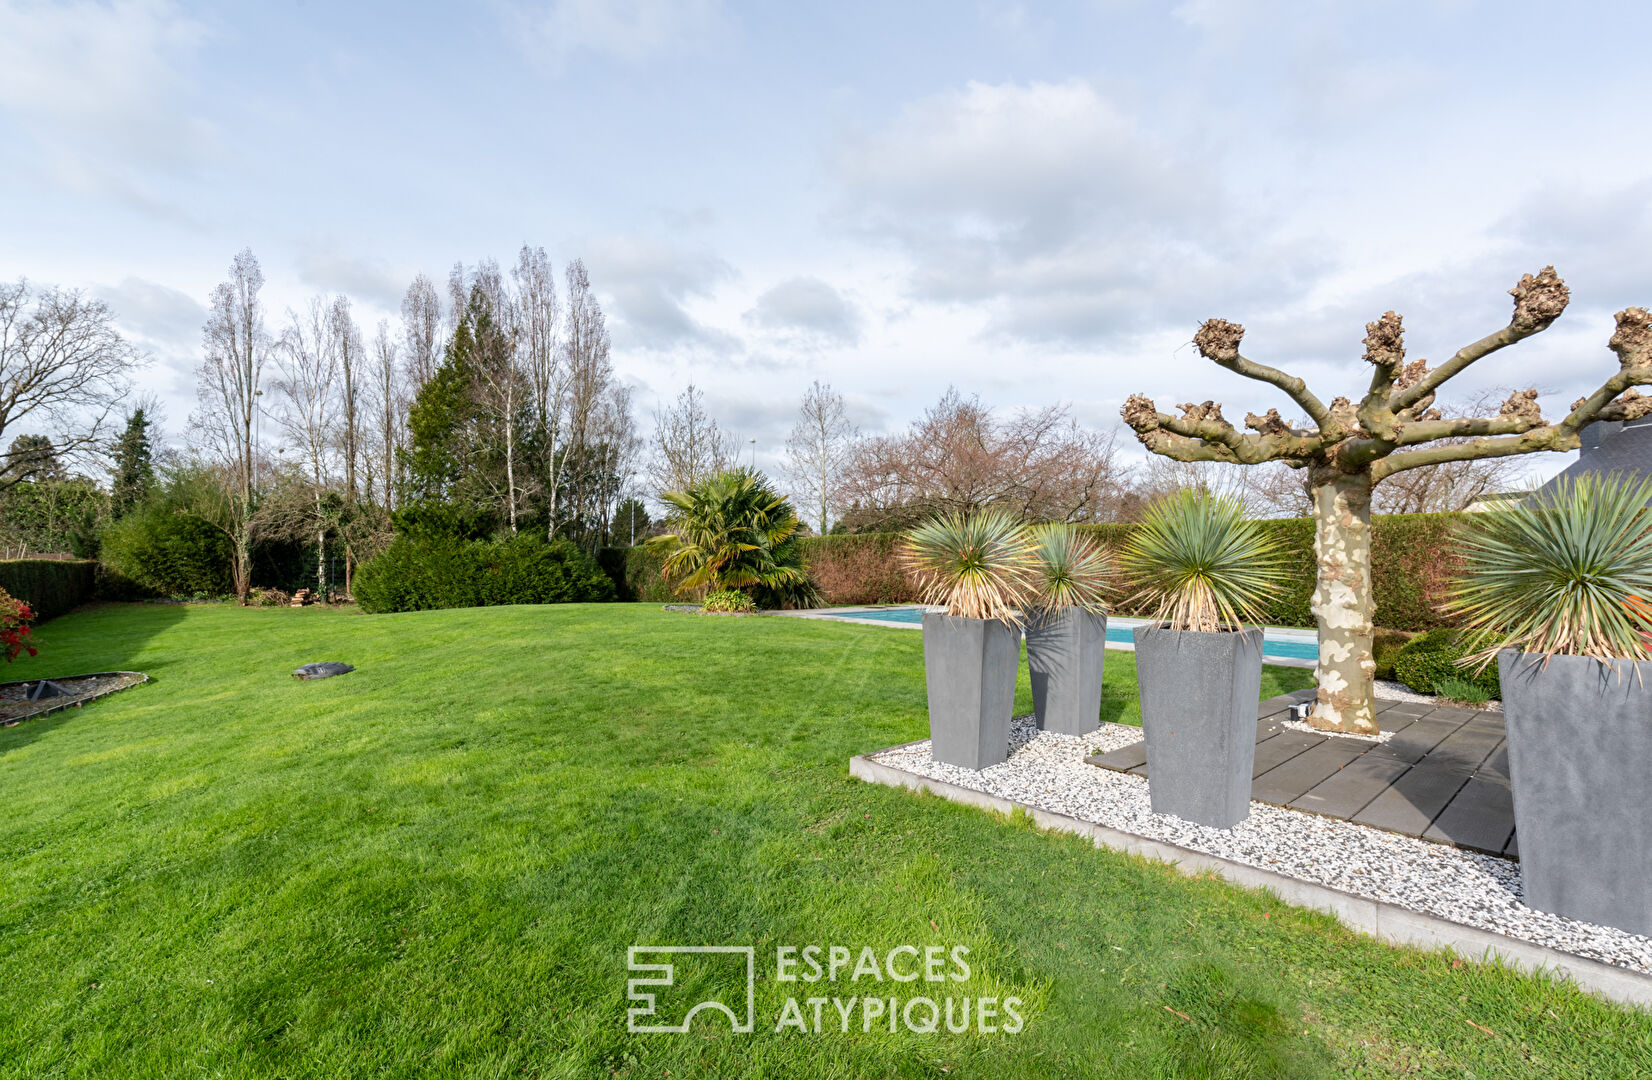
{"points": [[978, 565], [733, 531], [1071, 570], [1200, 564], [1564, 572]]}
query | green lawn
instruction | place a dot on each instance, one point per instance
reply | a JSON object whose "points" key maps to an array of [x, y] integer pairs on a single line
{"points": [[434, 867]]}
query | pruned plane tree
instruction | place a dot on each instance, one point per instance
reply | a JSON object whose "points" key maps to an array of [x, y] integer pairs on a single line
{"points": [[1348, 447]]}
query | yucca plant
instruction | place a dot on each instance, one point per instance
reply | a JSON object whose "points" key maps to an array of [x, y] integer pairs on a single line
{"points": [[1200, 564], [1070, 570], [977, 565], [1562, 573]]}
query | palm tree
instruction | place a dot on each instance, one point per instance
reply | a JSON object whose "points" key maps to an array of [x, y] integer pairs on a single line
{"points": [[733, 531]]}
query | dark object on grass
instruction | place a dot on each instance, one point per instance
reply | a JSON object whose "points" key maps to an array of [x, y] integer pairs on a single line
{"points": [[45, 688], [324, 670]]}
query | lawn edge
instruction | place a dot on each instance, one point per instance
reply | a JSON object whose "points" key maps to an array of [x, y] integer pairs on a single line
{"points": [[1386, 922]]}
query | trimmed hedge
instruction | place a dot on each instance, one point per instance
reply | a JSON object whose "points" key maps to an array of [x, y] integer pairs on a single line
{"points": [[1431, 658], [1410, 563], [154, 551], [51, 587], [423, 573], [635, 572]]}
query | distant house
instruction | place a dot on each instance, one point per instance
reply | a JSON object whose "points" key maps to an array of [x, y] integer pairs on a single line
{"points": [[1497, 500], [1620, 446]]}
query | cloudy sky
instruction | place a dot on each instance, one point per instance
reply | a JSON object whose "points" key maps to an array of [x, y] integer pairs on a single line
{"points": [[1032, 202]]}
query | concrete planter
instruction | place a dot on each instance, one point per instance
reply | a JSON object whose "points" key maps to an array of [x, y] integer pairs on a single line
{"points": [[1198, 707], [1065, 653], [970, 667], [1580, 742]]}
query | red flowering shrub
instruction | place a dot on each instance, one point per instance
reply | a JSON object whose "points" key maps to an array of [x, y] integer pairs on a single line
{"points": [[15, 617]]}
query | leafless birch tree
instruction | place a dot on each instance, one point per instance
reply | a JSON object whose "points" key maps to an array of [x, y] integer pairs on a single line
{"points": [[422, 334], [688, 444], [818, 449], [351, 355], [388, 405], [537, 317], [237, 345], [1349, 447], [308, 405]]}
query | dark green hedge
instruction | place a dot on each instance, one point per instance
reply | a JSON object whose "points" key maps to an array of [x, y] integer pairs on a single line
{"points": [[50, 586], [1410, 563], [635, 572], [422, 573]]}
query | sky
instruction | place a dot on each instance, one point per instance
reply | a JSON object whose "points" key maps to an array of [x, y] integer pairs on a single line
{"points": [[1034, 203]]}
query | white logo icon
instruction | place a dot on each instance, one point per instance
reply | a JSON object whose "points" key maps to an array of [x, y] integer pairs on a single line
{"points": [[664, 973]]}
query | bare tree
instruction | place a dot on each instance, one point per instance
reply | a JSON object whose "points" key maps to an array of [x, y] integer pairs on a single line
{"points": [[589, 372], [1037, 464], [63, 369], [502, 392], [228, 388], [388, 406], [1350, 448], [352, 361], [537, 318], [422, 330], [818, 449], [1450, 486], [688, 444], [308, 406]]}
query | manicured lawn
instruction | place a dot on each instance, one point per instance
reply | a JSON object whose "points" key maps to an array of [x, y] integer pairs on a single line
{"points": [[434, 867]]}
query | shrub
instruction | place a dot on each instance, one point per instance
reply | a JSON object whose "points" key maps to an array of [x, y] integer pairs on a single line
{"points": [[635, 572], [1430, 659], [422, 573], [164, 553], [729, 601], [1385, 645], [734, 531], [51, 587], [858, 568], [15, 617]]}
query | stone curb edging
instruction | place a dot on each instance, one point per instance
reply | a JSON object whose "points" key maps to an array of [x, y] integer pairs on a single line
{"points": [[1376, 918], [77, 702]]}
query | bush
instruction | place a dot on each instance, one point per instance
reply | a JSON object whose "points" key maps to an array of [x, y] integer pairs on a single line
{"points": [[51, 587], [163, 553], [635, 572], [1430, 659], [15, 617], [729, 601], [857, 568], [419, 573], [1385, 645]]}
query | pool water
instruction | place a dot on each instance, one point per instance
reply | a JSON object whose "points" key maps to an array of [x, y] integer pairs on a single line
{"points": [[1272, 645]]}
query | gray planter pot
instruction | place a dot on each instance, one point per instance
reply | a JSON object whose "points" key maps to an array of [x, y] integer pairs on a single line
{"points": [[970, 667], [1580, 743], [1065, 654], [1198, 713]]}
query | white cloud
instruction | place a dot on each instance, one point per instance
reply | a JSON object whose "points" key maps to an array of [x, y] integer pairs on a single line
{"points": [[651, 284], [807, 310], [97, 88], [630, 30], [1051, 205], [372, 280]]}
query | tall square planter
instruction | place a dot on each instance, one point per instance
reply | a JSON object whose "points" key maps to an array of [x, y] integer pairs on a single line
{"points": [[970, 667], [1580, 747], [1065, 653], [1199, 693]]}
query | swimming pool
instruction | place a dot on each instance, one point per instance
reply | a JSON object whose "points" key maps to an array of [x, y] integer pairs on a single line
{"points": [[1279, 646]]}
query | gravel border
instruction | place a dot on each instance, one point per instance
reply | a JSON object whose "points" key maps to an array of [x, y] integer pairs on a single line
{"points": [[128, 679], [1047, 771]]}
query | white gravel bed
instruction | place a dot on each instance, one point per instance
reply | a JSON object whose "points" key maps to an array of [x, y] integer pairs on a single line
{"points": [[1298, 725], [1397, 691], [1048, 771]]}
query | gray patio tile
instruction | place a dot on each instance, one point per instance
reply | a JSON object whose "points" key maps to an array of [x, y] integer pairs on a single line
{"points": [[1417, 739], [1272, 753], [1467, 747], [1412, 803], [1480, 817], [1295, 777], [1123, 759], [1347, 791]]}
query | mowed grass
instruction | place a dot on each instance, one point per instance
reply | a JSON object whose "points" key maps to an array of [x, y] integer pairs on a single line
{"points": [[434, 867]]}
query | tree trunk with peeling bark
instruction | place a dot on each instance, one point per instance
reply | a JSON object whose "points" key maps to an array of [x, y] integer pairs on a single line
{"points": [[1343, 605], [1349, 448]]}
